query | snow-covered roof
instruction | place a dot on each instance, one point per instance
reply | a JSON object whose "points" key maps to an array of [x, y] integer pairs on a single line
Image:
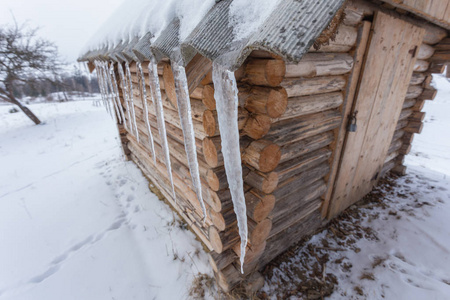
{"points": [[227, 28]]}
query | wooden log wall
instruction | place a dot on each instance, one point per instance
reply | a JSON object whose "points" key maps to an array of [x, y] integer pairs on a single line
{"points": [[289, 119]]}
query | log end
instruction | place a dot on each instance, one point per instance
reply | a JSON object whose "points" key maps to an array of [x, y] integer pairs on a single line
{"points": [[260, 233], [263, 208], [270, 183], [277, 102], [275, 71], [214, 238], [213, 180], [169, 84], [269, 158], [257, 126], [208, 97], [209, 123], [210, 152]]}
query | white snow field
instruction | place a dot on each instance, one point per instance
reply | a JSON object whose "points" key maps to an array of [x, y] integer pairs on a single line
{"points": [[396, 249], [79, 222]]}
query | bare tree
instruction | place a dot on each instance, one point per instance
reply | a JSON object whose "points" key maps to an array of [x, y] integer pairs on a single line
{"points": [[24, 60]]}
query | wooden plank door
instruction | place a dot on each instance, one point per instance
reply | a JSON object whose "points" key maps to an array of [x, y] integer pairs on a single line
{"points": [[386, 74]]}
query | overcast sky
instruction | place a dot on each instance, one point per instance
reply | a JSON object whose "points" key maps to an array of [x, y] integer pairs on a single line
{"points": [[69, 24]]}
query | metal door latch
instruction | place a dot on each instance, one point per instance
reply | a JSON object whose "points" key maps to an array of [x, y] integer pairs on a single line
{"points": [[352, 122]]}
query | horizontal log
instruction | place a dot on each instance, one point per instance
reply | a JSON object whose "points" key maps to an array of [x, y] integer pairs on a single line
{"points": [[257, 126], [344, 41], [441, 56], [292, 185], [211, 122], [414, 127], [265, 182], [184, 215], [428, 94], [310, 157], [220, 261], [292, 130], [303, 210], [421, 65], [387, 167], [257, 234], [436, 67], [259, 205], [228, 278], [311, 86], [208, 97], [443, 45], [261, 100], [262, 155], [404, 114], [408, 103], [320, 64], [212, 150], [418, 106], [417, 78], [181, 176], [425, 51], [352, 16], [304, 105], [417, 116], [265, 72], [285, 207], [252, 252], [177, 154], [413, 91], [291, 235]]}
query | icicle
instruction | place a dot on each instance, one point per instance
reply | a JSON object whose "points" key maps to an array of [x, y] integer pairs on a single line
{"points": [[105, 87], [155, 89], [226, 95], [108, 93], [130, 91], [143, 93], [184, 110], [116, 91], [100, 84], [114, 96], [125, 93]]}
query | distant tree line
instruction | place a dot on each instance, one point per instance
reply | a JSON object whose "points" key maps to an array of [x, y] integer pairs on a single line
{"points": [[76, 83]]}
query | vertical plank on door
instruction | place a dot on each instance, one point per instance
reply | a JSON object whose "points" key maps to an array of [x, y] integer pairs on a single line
{"points": [[385, 78]]}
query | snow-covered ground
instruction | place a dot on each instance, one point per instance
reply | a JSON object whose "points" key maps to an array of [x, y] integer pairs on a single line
{"points": [[394, 245], [79, 222]]}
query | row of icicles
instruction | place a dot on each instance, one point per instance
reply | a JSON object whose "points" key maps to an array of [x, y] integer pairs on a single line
{"points": [[227, 110]]}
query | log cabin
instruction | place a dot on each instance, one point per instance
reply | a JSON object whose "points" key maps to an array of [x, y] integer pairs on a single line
{"points": [[330, 94]]}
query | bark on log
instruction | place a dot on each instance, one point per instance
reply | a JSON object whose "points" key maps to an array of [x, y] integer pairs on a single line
{"points": [[293, 130], [220, 261], [425, 51], [320, 64], [311, 86], [211, 122], [265, 182], [344, 41], [304, 105], [421, 65], [413, 91], [265, 72], [262, 155], [257, 126], [268, 101], [417, 78]]}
